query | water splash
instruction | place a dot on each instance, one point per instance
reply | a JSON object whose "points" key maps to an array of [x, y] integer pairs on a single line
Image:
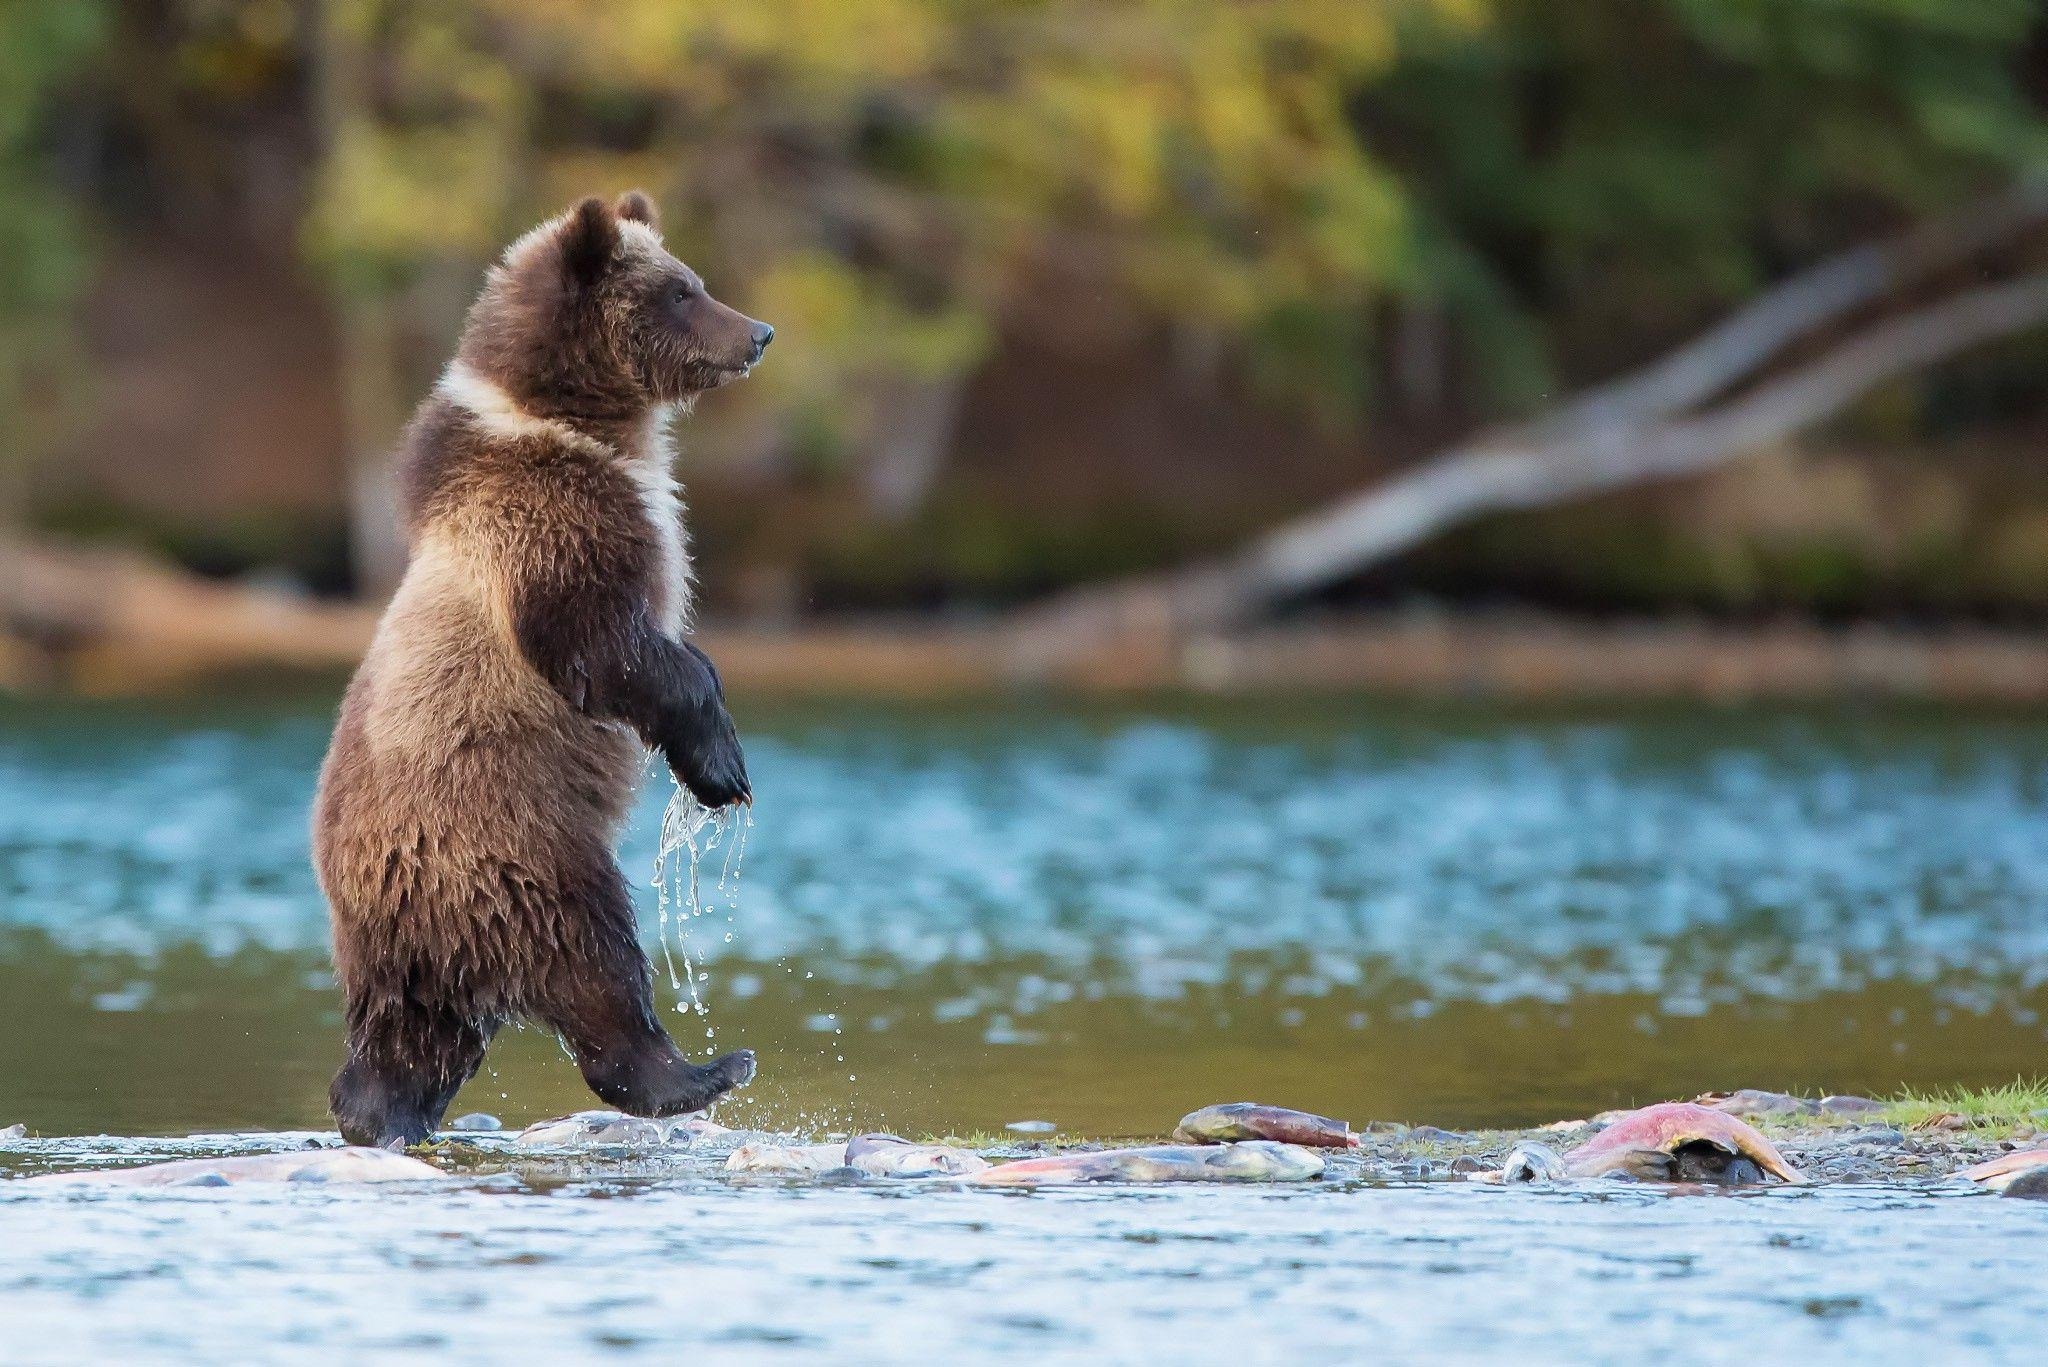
{"points": [[690, 831]]}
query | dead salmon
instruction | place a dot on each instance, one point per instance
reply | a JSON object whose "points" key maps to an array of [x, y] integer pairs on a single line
{"points": [[886, 1155], [1236, 1121], [2024, 1173], [786, 1160], [1680, 1141], [591, 1129], [1257, 1160]]}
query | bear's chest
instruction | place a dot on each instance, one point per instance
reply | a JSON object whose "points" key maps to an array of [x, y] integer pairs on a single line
{"points": [[661, 505]]}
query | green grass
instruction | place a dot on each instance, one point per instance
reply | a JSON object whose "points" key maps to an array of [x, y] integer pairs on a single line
{"points": [[2016, 1103]]}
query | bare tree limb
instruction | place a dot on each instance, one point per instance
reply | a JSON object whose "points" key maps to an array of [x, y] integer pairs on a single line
{"points": [[1368, 528], [1549, 463], [1801, 305]]}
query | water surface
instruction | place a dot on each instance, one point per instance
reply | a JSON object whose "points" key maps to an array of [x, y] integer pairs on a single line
{"points": [[949, 920]]}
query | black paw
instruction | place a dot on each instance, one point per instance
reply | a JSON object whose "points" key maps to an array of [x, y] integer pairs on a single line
{"points": [[714, 769], [714, 1080], [732, 1070]]}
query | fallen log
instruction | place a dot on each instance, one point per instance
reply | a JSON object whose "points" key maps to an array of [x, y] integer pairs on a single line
{"points": [[1706, 404], [102, 621]]}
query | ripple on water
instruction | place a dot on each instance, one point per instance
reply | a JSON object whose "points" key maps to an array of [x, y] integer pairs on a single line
{"points": [[1441, 1270]]}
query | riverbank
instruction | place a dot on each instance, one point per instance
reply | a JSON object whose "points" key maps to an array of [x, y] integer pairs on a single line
{"points": [[107, 624]]}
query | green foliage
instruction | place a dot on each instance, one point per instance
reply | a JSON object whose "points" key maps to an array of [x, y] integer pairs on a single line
{"points": [[44, 252], [1588, 180], [889, 178], [1567, 185], [2023, 1101]]}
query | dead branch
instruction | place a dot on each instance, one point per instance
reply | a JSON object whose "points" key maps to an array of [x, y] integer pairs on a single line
{"points": [[1646, 426], [1515, 473]]}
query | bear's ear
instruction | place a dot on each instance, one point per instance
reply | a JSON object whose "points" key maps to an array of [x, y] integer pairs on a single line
{"points": [[637, 207], [589, 239]]}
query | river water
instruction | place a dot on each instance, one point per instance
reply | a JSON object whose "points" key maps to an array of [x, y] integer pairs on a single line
{"points": [[952, 919]]}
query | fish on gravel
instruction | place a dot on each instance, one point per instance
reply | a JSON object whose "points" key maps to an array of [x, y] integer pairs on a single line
{"points": [[2022, 1173], [1528, 1161], [592, 1129], [786, 1160], [1236, 1121], [1681, 1141], [1255, 1160], [887, 1155], [354, 1164]]}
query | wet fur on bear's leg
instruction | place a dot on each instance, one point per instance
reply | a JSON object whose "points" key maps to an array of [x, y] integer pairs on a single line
{"points": [[401, 1076], [603, 1008]]}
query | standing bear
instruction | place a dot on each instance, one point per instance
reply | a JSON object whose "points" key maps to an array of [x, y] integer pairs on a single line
{"points": [[490, 744]]}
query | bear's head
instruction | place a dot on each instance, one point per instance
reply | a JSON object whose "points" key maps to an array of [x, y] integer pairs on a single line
{"points": [[590, 316]]}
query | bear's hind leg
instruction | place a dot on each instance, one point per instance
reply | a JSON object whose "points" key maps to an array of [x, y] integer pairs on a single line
{"points": [[600, 999], [400, 1077]]}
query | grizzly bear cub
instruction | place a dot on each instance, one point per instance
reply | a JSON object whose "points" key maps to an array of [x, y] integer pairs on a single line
{"points": [[489, 746]]}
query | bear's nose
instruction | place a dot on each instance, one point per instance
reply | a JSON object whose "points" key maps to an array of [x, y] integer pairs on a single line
{"points": [[763, 335]]}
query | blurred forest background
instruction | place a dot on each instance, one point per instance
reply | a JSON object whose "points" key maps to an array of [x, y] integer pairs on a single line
{"points": [[1066, 290]]}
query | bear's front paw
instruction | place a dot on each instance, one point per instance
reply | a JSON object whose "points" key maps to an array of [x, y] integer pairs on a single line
{"points": [[713, 768]]}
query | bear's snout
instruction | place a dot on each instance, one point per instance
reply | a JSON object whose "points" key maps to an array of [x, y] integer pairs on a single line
{"points": [[763, 335]]}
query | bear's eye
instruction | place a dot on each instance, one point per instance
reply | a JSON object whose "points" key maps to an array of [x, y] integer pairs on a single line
{"points": [[685, 292]]}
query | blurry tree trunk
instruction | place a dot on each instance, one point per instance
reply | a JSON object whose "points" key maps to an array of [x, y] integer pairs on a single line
{"points": [[917, 419], [1660, 422], [373, 410], [366, 328]]}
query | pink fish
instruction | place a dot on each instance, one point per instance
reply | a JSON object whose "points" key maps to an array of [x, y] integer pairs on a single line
{"points": [[1240, 1120], [2007, 1170], [1255, 1160], [1661, 1143]]}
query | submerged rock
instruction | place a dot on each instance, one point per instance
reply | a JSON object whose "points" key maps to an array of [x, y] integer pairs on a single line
{"points": [[885, 1155], [591, 1129], [1031, 1127], [2024, 1173], [346, 1165], [1236, 1121], [475, 1122], [1680, 1141], [786, 1160], [1256, 1160]]}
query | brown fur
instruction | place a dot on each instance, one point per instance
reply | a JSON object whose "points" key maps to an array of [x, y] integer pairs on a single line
{"points": [[489, 746]]}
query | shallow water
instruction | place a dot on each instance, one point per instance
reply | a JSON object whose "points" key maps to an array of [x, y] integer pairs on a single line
{"points": [[573, 1265], [951, 920], [1105, 919]]}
